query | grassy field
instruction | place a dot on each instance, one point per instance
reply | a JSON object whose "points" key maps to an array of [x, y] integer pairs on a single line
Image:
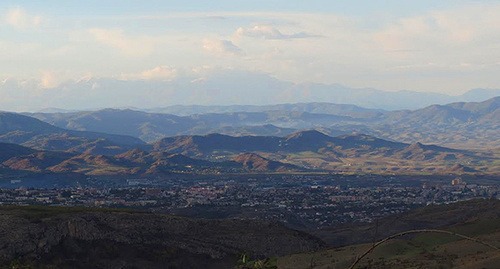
{"points": [[428, 250]]}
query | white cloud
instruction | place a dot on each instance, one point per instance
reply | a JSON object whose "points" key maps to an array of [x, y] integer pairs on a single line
{"points": [[51, 79], [267, 31], [220, 47], [18, 18], [130, 46], [160, 73], [439, 30], [446, 50]]}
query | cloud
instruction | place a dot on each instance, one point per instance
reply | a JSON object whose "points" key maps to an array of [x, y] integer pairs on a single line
{"points": [[130, 46], [18, 18], [268, 32], [220, 47], [160, 73], [52, 79], [438, 30]]}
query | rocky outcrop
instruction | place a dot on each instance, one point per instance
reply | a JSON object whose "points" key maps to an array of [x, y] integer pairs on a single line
{"points": [[45, 235]]}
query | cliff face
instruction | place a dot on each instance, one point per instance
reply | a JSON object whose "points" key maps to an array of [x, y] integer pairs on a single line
{"points": [[97, 239]]}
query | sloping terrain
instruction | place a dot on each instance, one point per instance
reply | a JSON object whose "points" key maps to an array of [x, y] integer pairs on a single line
{"points": [[316, 108], [472, 125], [99, 238], [460, 125], [476, 218], [301, 151], [254, 162], [315, 150], [310, 140], [33, 133], [151, 127], [133, 162], [8, 151], [310, 149]]}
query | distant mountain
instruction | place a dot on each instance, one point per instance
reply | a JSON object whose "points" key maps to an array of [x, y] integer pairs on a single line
{"points": [[317, 108], [256, 163], [37, 162], [309, 140], [205, 145], [151, 127], [225, 88], [8, 151], [33, 133], [261, 130], [132, 162], [315, 150], [479, 95], [472, 125], [464, 125], [308, 150]]}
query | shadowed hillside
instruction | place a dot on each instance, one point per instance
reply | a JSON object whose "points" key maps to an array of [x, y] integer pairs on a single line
{"points": [[479, 219], [96, 238]]}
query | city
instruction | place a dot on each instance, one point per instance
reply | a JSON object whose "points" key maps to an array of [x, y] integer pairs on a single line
{"points": [[299, 201]]}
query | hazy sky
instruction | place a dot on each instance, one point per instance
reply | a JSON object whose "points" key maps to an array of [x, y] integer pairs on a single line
{"points": [[436, 46]]}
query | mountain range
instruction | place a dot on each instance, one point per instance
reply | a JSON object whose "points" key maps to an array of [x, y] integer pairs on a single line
{"points": [[310, 151], [462, 125], [342, 139], [133, 162], [20, 129], [317, 151], [226, 88]]}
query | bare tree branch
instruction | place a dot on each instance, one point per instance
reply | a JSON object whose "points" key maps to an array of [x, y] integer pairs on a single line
{"points": [[418, 231]]}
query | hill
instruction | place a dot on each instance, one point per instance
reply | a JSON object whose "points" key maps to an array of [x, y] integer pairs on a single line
{"points": [[33, 133], [479, 219], [315, 107], [8, 151], [299, 151], [315, 150], [461, 125], [254, 162], [133, 162], [472, 125], [92, 238], [309, 140], [151, 127]]}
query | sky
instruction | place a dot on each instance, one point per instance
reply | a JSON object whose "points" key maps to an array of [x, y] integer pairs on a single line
{"points": [[428, 46]]}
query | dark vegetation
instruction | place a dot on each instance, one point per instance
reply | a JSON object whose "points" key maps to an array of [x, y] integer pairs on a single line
{"points": [[479, 219], [37, 237]]}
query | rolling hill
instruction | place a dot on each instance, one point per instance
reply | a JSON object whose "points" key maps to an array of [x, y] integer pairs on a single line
{"points": [[478, 219], [151, 127], [33, 133], [255, 163], [57, 237], [310, 149], [464, 125], [461, 125], [133, 162], [317, 151]]}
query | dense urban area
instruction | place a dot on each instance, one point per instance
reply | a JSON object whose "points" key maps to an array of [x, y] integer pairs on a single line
{"points": [[300, 201]]}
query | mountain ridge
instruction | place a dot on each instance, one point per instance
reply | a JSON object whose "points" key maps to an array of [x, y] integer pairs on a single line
{"points": [[473, 121], [255, 88]]}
